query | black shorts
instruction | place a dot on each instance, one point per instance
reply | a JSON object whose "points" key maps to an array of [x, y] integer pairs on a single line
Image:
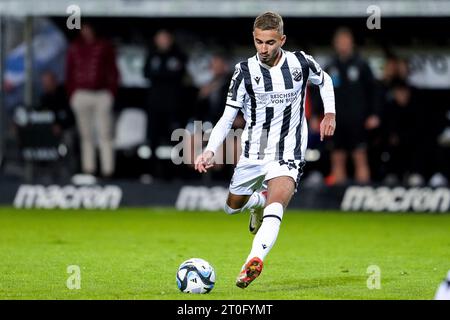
{"points": [[349, 137]]}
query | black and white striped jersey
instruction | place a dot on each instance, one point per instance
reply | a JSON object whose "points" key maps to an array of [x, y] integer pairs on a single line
{"points": [[272, 100]]}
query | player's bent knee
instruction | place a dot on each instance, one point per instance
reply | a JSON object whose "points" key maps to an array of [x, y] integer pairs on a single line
{"points": [[230, 210]]}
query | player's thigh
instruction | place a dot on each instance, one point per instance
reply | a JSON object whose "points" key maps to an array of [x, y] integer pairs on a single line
{"points": [[247, 178], [236, 201], [280, 189], [282, 178]]}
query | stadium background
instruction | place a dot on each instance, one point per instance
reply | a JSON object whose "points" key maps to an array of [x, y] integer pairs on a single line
{"points": [[44, 173], [410, 30]]}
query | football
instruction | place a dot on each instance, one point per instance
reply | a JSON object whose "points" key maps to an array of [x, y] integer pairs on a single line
{"points": [[196, 276]]}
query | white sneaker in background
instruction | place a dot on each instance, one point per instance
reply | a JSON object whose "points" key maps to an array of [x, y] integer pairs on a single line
{"points": [[391, 180], [415, 180], [84, 179], [444, 138], [438, 180]]}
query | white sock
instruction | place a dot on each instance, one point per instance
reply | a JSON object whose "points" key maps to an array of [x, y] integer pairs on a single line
{"points": [[230, 210], [256, 200], [267, 234]]}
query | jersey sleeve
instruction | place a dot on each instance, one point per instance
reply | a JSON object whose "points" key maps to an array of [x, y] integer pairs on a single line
{"points": [[316, 74], [236, 91], [320, 78], [221, 129]]}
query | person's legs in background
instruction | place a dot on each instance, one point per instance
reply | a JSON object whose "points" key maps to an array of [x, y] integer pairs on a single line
{"points": [[338, 166], [339, 146], [104, 123], [351, 139], [361, 164], [82, 103]]}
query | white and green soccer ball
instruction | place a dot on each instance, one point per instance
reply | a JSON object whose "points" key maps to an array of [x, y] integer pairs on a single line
{"points": [[196, 276]]}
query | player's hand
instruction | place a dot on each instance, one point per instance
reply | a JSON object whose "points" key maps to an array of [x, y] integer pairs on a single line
{"points": [[204, 161], [328, 125]]}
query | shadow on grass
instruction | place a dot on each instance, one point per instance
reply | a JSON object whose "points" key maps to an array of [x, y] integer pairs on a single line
{"points": [[317, 283]]}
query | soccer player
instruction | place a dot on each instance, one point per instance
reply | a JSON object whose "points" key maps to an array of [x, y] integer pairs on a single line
{"points": [[443, 292], [269, 88]]}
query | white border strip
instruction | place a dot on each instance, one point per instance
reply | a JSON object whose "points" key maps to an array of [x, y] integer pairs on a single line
{"points": [[226, 8]]}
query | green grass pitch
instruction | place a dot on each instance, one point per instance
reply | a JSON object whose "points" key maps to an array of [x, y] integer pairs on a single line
{"points": [[134, 254]]}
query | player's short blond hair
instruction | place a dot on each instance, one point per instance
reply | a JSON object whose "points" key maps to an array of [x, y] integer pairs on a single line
{"points": [[269, 21]]}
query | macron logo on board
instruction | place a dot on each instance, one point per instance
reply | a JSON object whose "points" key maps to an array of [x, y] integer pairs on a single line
{"points": [[201, 198], [68, 197], [397, 199]]}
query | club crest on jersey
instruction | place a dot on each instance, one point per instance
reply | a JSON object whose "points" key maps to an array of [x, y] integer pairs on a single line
{"points": [[257, 79], [297, 74]]}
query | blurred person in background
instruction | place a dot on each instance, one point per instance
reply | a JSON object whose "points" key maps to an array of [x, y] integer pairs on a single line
{"points": [[355, 91], [401, 123], [394, 69], [92, 81], [54, 98], [319, 167], [212, 94], [209, 109], [441, 178], [165, 67], [390, 73]]}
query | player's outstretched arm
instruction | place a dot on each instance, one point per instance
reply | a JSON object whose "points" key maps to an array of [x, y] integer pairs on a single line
{"points": [[205, 161]]}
